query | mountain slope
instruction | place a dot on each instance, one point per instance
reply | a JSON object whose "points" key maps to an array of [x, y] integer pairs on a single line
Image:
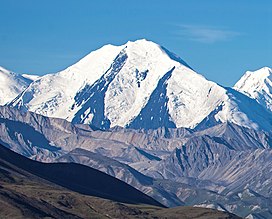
{"points": [[11, 84], [257, 85], [175, 166], [138, 85], [25, 195], [79, 178], [57, 99], [107, 165]]}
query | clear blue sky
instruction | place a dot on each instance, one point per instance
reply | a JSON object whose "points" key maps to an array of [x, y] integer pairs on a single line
{"points": [[220, 39]]}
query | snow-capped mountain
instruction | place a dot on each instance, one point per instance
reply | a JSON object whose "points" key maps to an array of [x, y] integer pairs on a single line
{"points": [[138, 85], [11, 84], [257, 85], [140, 113]]}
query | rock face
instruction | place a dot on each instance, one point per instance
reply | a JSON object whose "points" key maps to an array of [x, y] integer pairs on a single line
{"points": [[138, 85]]}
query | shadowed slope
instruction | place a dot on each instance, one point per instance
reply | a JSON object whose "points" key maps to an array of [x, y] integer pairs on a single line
{"points": [[79, 178], [24, 195]]}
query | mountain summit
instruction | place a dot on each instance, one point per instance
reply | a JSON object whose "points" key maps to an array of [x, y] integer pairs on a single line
{"points": [[138, 85], [257, 85]]}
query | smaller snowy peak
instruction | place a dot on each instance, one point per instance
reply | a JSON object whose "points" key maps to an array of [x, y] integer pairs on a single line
{"points": [[11, 85], [257, 85], [254, 80]]}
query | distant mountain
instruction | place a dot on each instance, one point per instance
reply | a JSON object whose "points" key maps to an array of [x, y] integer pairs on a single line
{"points": [[257, 85], [11, 84], [175, 166], [139, 85], [47, 139]]}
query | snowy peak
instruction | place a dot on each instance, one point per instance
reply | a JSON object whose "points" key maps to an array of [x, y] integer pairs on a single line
{"points": [[125, 76], [139, 85], [254, 80], [142, 88], [149, 50], [11, 84], [257, 85], [95, 64]]}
